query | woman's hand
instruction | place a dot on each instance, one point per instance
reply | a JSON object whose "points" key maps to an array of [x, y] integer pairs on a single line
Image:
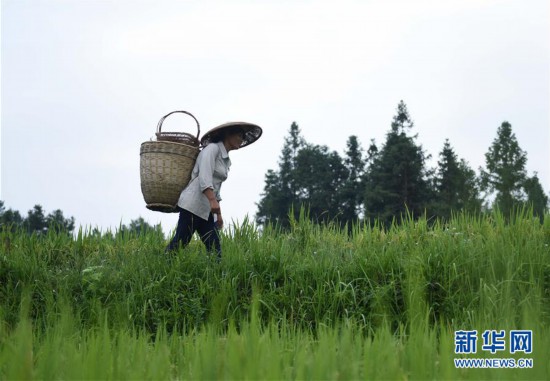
{"points": [[214, 207], [219, 221]]}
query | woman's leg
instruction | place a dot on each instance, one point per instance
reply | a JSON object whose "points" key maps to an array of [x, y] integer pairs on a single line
{"points": [[209, 235], [184, 231]]}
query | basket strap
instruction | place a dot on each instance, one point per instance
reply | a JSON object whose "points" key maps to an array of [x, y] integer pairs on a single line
{"points": [[159, 125]]}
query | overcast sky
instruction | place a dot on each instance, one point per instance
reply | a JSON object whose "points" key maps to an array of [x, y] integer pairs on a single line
{"points": [[84, 83]]}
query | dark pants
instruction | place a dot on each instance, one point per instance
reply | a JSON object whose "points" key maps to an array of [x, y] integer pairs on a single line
{"points": [[188, 224]]}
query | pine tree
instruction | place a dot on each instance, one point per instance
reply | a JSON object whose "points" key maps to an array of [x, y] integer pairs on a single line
{"points": [[280, 193], [536, 198], [470, 191], [455, 185], [505, 174], [272, 198], [372, 152], [351, 190], [55, 220], [397, 180], [36, 220], [293, 143], [319, 176]]}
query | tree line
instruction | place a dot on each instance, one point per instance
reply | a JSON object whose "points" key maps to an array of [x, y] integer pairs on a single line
{"points": [[36, 220], [390, 182], [39, 223], [383, 184]]}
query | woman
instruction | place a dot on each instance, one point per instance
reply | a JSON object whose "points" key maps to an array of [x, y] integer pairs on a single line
{"points": [[199, 202]]}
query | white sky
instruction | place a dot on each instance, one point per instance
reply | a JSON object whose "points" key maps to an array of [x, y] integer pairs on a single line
{"points": [[84, 83]]}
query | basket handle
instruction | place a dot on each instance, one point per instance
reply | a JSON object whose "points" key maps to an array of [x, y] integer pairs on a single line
{"points": [[159, 125]]}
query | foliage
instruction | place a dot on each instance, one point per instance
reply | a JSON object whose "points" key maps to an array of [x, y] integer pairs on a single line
{"points": [[536, 198], [312, 176], [10, 219], [393, 182], [319, 176], [352, 188], [309, 275], [139, 227], [280, 192], [397, 180], [455, 184], [36, 221], [505, 174], [278, 303]]}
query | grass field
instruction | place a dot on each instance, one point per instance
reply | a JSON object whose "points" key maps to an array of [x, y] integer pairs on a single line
{"points": [[311, 303]]}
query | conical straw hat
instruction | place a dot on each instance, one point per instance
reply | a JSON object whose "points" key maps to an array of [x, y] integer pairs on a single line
{"points": [[251, 132]]}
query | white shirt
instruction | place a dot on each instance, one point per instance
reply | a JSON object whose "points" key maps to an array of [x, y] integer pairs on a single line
{"points": [[210, 170]]}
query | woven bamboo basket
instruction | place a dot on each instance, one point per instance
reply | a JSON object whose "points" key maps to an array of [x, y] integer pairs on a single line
{"points": [[166, 166]]}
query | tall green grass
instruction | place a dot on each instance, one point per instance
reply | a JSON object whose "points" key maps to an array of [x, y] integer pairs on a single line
{"points": [[277, 350], [313, 302]]}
